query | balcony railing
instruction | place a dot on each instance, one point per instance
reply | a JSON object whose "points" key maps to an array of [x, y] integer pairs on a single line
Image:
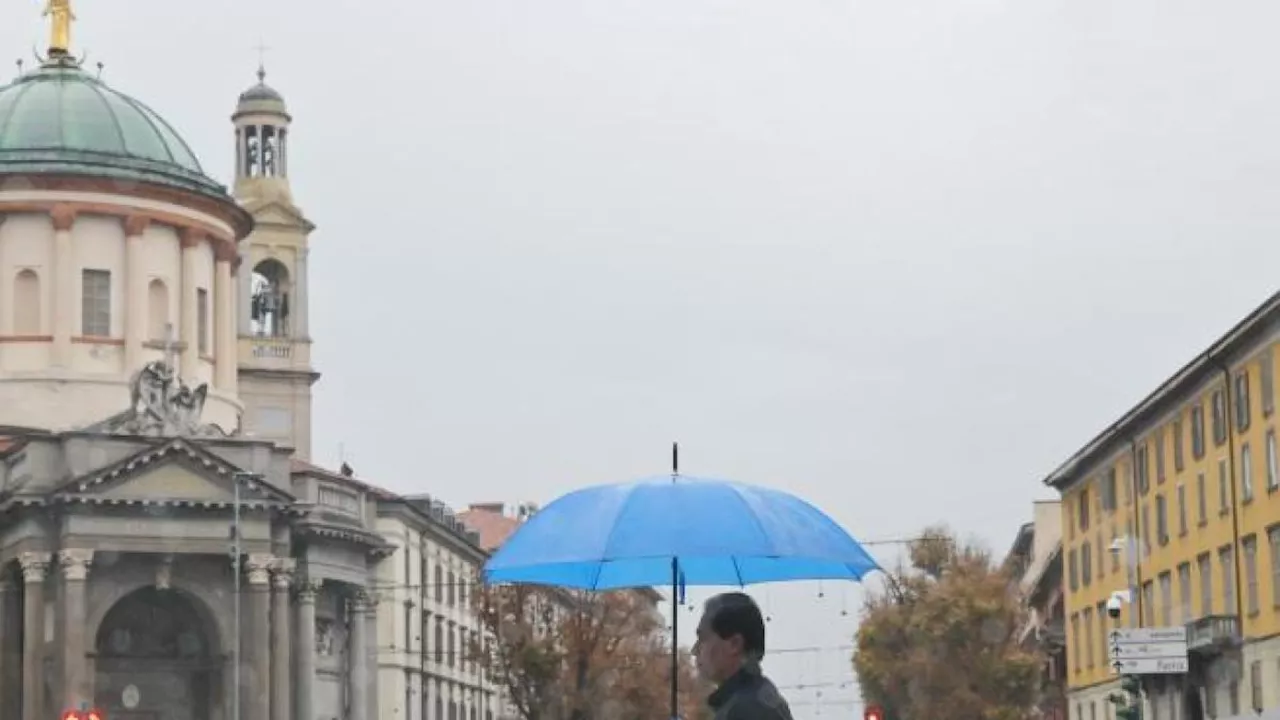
{"points": [[1213, 633]]}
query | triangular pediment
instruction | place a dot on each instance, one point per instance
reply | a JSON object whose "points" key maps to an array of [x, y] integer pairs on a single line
{"points": [[174, 472], [275, 212]]}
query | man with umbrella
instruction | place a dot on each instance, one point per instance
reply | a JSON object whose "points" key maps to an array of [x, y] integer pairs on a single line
{"points": [[728, 652]]}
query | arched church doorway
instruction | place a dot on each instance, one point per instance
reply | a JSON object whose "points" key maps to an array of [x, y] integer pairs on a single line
{"points": [[154, 660]]}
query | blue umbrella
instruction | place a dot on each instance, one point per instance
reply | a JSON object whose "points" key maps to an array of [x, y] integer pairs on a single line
{"points": [[677, 530], [661, 530]]}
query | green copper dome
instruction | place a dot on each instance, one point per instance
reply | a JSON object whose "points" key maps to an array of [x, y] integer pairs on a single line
{"points": [[58, 119]]}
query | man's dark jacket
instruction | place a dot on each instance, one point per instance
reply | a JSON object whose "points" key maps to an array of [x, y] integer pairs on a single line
{"points": [[748, 695]]}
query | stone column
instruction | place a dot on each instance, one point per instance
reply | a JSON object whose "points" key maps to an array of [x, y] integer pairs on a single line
{"points": [[224, 341], [306, 649], [34, 567], [77, 682], [301, 306], [281, 677], [191, 239], [135, 288], [9, 642], [360, 656], [64, 283], [244, 308], [259, 683]]}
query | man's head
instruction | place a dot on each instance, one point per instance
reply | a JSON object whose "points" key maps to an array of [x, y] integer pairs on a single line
{"points": [[730, 634]]}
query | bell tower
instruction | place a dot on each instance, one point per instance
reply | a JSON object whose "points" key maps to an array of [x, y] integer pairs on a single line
{"points": [[275, 374]]}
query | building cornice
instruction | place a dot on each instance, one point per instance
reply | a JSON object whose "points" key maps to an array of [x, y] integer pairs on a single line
{"points": [[1259, 323]]}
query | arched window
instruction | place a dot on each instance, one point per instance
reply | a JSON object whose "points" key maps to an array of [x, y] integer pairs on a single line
{"points": [[157, 310], [269, 300], [26, 303]]}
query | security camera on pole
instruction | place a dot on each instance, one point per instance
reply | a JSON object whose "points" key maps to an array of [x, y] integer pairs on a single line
{"points": [[1136, 651]]}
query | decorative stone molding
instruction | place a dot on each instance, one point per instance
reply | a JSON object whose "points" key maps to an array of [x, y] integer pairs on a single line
{"points": [[307, 590], [366, 601], [75, 563], [259, 567], [192, 237], [34, 566], [282, 571], [135, 225], [63, 216]]}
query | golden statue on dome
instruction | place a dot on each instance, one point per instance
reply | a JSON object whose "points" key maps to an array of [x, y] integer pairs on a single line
{"points": [[59, 26]]}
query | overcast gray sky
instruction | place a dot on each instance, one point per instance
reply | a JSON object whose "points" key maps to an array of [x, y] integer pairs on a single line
{"points": [[898, 256]]}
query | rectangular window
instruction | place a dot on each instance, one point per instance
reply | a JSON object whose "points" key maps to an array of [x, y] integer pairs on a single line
{"points": [[1273, 473], [1166, 598], [1219, 417], [1182, 509], [1102, 551], [1086, 620], [1204, 567], [1179, 461], [202, 320], [1148, 609], [1250, 547], [1224, 488], [1146, 530], [1100, 612], [1162, 520], [1184, 593], [1159, 456], [1082, 508], [1109, 490], [1202, 499], [1086, 564], [1267, 382], [1197, 431], [1273, 539], [95, 303], [1227, 567], [1246, 474], [1142, 468], [1241, 401]]}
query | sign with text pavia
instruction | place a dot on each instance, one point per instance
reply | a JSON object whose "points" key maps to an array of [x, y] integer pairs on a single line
{"points": [[1148, 651]]}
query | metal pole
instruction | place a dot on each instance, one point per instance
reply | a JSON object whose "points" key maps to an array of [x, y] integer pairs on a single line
{"points": [[236, 552], [1131, 561]]}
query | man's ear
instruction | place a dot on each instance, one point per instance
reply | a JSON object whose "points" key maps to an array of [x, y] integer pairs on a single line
{"points": [[738, 644]]}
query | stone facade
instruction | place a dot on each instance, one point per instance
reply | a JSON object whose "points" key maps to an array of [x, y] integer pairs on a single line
{"points": [[119, 589]]}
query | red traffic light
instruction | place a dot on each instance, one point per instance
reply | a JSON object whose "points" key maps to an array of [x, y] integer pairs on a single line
{"points": [[71, 715], [873, 712], [95, 714]]}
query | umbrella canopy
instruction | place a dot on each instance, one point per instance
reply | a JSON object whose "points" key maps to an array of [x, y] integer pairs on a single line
{"points": [[715, 532]]}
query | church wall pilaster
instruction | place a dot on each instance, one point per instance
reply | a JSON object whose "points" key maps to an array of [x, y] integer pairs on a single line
{"points": [[10, 634], [225, 327], [135, 319], [363, 605], [63, 284], [281, 665], [35, 565], [77, 680], [306, 649], [191, 240], [258, 683]]}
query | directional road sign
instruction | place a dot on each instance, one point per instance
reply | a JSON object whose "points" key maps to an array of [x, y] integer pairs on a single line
{"points": [[1148, 651]]}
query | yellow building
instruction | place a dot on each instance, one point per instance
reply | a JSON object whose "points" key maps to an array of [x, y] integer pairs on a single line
{"points": [[1190, 475]]}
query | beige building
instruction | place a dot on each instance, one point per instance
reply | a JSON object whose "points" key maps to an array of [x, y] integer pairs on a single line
{"points": [[154, 401]]}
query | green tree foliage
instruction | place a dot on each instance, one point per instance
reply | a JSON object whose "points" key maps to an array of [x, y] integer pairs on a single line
{"points": [[940, 641]]}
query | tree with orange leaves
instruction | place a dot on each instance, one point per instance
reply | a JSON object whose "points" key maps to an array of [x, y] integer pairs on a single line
{"points": [[569, 655], [940, 641]]}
